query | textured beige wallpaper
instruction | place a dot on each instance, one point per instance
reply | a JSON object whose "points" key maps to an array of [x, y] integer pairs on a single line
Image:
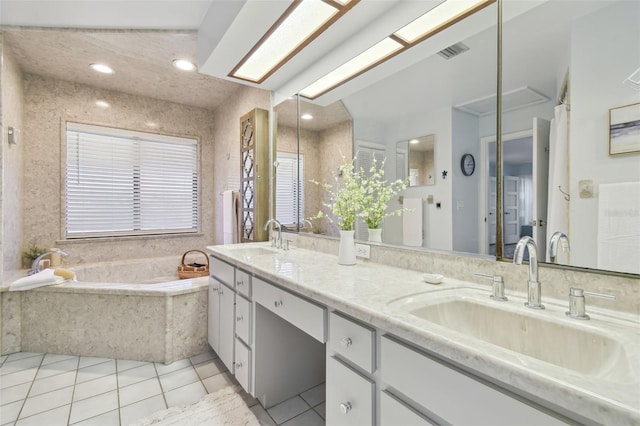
{"points": [[48, 103], [12, 155]]}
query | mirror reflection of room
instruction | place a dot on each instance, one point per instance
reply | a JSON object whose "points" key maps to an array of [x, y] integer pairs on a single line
{"points": [[421, 161]]}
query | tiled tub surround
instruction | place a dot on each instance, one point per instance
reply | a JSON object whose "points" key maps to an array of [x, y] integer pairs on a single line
{"points": [[158, 321], [364, 290]]}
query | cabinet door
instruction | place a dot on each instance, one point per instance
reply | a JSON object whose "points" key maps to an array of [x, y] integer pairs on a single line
{"points": [[213, 315], [393, 412], [349, 396], [243, 365], [227, 326], [442, 390]]}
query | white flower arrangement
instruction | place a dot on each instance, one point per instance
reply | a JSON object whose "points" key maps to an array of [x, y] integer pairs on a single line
{"points": [[359, 195], [345, 199], [377, 194]]}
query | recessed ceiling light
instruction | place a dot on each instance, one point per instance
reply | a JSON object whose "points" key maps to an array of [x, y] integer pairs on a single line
{"points": [[298, 26], [184, 65], [103, 104], [105, 69], [306, 116]]}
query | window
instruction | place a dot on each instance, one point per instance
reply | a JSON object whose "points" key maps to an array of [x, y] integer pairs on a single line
{"points": [[120, 182], [289, 189]]}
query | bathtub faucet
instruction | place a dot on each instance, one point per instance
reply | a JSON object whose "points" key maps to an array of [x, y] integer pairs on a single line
{"points": [[35, 266]]}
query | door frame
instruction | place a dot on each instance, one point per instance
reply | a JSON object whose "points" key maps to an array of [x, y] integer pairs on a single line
{"points": [[483, 219]]}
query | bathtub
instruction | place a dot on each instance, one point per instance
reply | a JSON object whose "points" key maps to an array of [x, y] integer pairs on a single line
{"points": [[135, 310]]}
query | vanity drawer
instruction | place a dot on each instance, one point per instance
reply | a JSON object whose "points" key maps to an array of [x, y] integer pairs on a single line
{"points": [[243, 319], [222, 271], [352, 341], [394, 412], [443, 390], [243, 365], [349, 396], [305, 315], [243, 283]]}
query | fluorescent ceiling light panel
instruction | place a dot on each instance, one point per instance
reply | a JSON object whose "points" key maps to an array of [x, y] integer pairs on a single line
{"points": [[439, 16], [308, 17], [367, 59]]}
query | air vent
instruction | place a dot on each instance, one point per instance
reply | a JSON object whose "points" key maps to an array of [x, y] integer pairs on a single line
{"points": [[453, 50]]}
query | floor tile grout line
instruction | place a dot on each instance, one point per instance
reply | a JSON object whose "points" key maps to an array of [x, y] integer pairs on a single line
{"points": [[118, 394], [24, 401], [164, 398], [75, 382]]}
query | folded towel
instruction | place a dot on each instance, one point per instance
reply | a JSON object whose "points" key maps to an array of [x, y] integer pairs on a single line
{"points": [[40, 279]]}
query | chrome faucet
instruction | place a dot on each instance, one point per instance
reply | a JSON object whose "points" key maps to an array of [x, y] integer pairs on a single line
{"points": [[557, 238], [304, 222], [35, 266], [275, 243], [533, 285]]}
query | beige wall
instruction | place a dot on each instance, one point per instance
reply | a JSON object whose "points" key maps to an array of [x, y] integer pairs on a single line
{"points": [[48, 103], [322, 153], [12, 164], [226, 150]]}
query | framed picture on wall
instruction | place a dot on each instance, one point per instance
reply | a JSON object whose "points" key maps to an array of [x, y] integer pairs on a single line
{"points": [[624, 129]]}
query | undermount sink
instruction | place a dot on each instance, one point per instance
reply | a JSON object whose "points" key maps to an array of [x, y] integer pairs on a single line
{"points": [[252, 251], [544, 335]]}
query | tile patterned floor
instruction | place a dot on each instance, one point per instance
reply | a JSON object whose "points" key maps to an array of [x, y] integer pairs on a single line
{"points": [[48, 389]]}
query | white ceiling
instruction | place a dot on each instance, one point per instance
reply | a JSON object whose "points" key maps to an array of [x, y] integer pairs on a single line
{"points": [[141, 37]]}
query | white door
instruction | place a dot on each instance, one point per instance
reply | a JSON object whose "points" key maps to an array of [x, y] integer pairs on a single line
{"points": [[511, 222], [541, 129]]}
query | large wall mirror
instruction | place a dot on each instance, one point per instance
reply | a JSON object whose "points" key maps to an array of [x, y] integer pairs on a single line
{"points": [[556, 54], [312, 141]]}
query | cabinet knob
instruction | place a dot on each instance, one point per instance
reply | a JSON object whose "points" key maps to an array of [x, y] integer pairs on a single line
{"points": [[346, 342], [345, 407], [238, 364], [239, 318], [239, 282], [277, 303]]}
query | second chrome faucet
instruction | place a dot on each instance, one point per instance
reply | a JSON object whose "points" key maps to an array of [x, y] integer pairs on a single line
{"points": [[533, 284]]}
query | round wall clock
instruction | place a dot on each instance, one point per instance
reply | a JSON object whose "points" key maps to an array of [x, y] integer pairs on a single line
{"points": [[467, 164]]}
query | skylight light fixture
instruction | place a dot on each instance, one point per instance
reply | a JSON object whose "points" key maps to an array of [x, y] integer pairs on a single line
{"points": [[440, 17], [435, 20], [298, 26], [104, 69], [306, 116], [356, 66], [184, 65]]}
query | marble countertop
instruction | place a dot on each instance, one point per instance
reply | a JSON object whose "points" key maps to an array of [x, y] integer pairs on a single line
{"points": [[367, 291]]}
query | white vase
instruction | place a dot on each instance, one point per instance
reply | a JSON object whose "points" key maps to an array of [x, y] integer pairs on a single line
{"points": [[347, 249], [375, 235]]}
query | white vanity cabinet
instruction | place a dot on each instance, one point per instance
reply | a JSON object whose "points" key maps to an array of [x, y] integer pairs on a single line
{"points": [[447, 395], [221, 313], [350, 363]]}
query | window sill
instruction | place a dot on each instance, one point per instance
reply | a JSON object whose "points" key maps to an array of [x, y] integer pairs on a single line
{"points": [[128, 238]]}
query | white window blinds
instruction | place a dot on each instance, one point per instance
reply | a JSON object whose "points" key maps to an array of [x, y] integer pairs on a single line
{"points": [[121, 182], [289, 189]]}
